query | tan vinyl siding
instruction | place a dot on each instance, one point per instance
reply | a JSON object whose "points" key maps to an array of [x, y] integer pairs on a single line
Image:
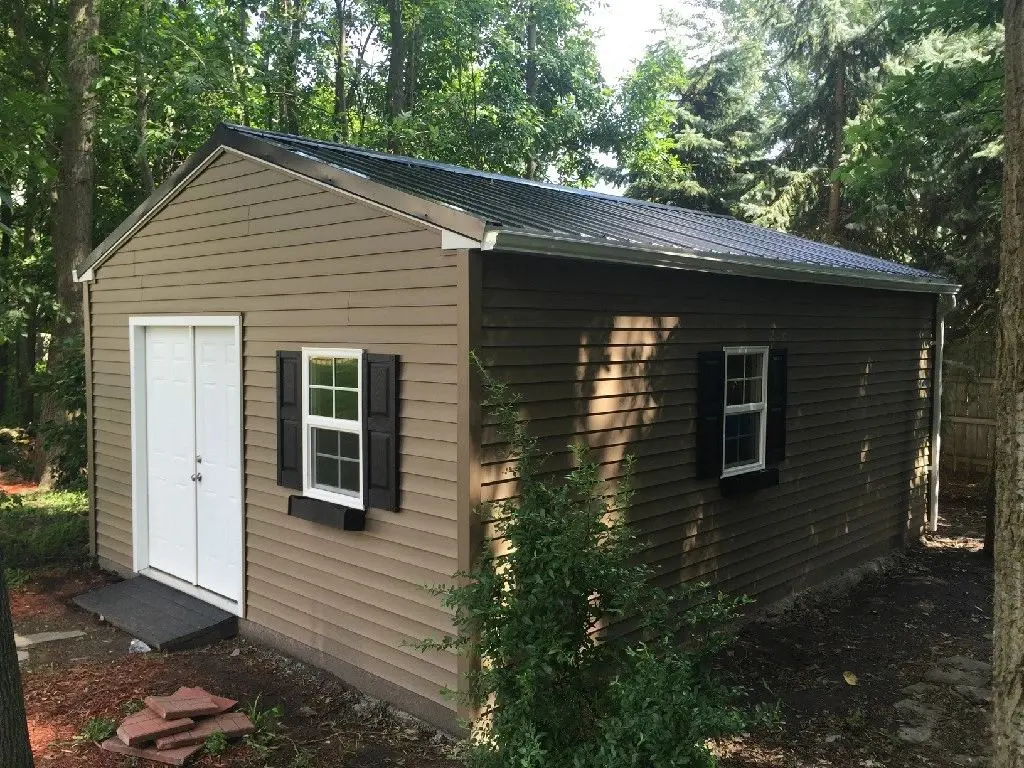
{"points": [[303, 266], [608, 354]]}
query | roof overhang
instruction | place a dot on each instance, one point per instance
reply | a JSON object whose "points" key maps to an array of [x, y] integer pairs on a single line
{"points": [[699, 261], [456, 226]]}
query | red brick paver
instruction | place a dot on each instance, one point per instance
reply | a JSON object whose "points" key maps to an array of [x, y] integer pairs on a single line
{"points": [[147, 725], [232, 725], [223, 703], [184, 705], [167, 756]]}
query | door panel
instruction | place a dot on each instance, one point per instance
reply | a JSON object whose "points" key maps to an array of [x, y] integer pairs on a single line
{"points": [[218, 446], [169, 449]]}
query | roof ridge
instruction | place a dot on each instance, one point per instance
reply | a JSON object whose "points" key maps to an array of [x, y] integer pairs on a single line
{"points": [[438, 165]]}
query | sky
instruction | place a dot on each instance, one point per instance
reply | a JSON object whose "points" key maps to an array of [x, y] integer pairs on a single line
{"points": [[626, 27]]}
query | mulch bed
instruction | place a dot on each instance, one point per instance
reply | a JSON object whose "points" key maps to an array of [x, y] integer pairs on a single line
{"points": [[888, 631], [321, 718]]}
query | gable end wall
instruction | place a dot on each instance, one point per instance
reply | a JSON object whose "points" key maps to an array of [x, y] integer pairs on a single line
{"points": [[303, 266]]}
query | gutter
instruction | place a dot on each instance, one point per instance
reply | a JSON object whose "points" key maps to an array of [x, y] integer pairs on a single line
{"points": [[702, 261], [943, 305]]}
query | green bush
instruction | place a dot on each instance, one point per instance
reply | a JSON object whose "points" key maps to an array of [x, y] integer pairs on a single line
{"points": [[16, 452], [43, 529], [64, 438], [585, 662]]}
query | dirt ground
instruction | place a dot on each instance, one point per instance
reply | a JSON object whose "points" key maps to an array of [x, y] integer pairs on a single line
{"points": [[891, 631], [321, 722]]}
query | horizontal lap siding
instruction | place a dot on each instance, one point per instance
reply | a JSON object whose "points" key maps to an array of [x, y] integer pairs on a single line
{"points": [[609, 354], [304, 267]]}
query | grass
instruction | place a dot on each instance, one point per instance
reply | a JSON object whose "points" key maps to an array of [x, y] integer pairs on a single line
{"points": [[265, 720], [43, 528]]}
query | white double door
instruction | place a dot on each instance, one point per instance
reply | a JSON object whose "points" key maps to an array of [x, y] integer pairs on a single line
{"points": [[193, 457]]}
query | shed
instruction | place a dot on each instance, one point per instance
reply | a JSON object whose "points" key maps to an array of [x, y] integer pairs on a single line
{"points": [[283, 421]]}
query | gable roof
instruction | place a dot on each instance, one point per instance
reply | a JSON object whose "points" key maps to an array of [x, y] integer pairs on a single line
{"points": [[497, 212]]}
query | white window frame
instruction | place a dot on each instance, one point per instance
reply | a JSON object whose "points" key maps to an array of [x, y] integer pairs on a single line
{"points": [[342, 425], [761, 408]]}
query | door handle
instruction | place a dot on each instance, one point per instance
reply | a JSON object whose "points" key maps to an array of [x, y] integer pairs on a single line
{"points": [[197, 477]]}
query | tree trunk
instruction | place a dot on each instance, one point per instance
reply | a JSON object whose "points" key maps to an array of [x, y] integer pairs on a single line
{"points": [[240, 56], [531, 82], [410, 68], [72, 237], [838, 145], [27, 345], [396, 68], [15, 750], [1008, 632], [989, 500], [7, 219], [141, 123], [142, 102], [289, 103], [340, 59]]}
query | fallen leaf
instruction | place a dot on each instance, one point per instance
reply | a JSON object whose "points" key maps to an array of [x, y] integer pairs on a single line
{"points": [[850, 678]]}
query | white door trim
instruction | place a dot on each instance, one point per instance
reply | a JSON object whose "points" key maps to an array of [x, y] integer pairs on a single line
{"points": [[140, 471]]}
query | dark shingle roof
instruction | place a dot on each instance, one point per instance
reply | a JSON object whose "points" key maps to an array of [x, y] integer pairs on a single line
{"points": [[533, 207], [536, 217]]}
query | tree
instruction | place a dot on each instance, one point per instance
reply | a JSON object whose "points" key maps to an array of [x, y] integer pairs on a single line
{"points": [[1008, 633], [72, 235], [15, 751], [689, 133], [923, 173]]}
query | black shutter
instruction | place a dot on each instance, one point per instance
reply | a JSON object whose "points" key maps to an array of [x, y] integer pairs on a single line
{"points": [[710, 411], [289, 419], [380, 415], [775, 426]]}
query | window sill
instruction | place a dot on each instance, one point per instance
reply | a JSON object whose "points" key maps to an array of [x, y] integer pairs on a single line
{"points": [[748, 482], [326, 513]]}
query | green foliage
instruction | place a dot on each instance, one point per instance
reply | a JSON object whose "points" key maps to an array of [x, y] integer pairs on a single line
{"points": [[65, 437], [924, 166], [132, 706], [216, 743], [689, 133], [266, 721], [583, 663], [15, 578], [97, 729], [43, 529], [16, 452]]}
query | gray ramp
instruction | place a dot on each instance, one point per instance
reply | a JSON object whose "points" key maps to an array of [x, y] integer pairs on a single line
{"points": [[160, 616]]}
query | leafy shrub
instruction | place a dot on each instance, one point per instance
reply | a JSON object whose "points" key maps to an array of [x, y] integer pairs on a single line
{"points": [[585, 662], [64, 438], [16, 452], [215, 743], [43, 529], [97, 729]]}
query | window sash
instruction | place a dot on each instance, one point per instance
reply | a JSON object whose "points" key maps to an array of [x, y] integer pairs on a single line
{"points": [[351, 426], [759, 407]]}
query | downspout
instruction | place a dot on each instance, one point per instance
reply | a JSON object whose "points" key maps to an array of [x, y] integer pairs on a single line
{"points": [[943, 304]]}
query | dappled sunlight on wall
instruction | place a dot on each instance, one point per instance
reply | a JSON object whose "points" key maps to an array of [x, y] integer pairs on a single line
{"points": [[608, 355]]}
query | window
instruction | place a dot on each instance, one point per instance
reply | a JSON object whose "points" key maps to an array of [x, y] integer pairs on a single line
{"points": [[332, 425], [744, 420]]}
